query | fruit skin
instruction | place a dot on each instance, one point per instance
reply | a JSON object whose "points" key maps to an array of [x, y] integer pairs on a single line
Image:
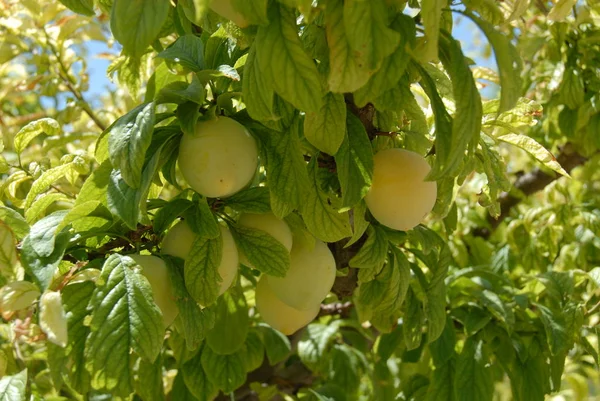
{"points": [[225, 9], [309, 279], [155, 270], [400, 197], [270, 224], [178, 242], [279, 315], [220, 159]]}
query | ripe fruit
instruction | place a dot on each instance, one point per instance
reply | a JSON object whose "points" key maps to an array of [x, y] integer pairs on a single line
{"points": [[400, 197], [178, 242], [270, 224], [279, 315], [155, 270], [309, 279], [225, 9], [220, 159]]}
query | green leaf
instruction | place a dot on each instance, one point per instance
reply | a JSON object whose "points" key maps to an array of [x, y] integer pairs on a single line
{"points": [[284, 62], [92, 214], [18, 295], [43, 183], [250, 200], [263, 251], [441, 387], [277, 345], [254, 11], [474, 379], [83, 7], [354, 162], [225, 371], [15, 221], [393, 66], [201, 269], [366, 24], [412, 320], [254, 351], [498, 309], [322, 219], [495, 171], [180, 92], [231, 323], [57, 361], [508, 61], [195, 10], [128, 139], [345, 367], [188, 51], [325, 129], [8, 252], [95, 186], [442, 349], [287, 176], [535, 149], [560, 326], [149, 380], [431, 13], [124, 317], [12, 388], [314, 343], [179, 391], [196, 380], [373, 252], [137, 23], [188, 114], [26, 134], [360, 224], [195, 321], [167, 214], [257, 90], [160, 79], [201, 219], [561, 9], [39, 206]]}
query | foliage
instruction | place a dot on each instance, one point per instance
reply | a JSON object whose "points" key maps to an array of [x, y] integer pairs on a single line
{"points": [[495, 296]]}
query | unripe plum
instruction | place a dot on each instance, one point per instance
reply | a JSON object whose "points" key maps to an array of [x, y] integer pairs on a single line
{"points": [[220, 159], [270, 224], [279, 315], [178, 242], [400, 197], [155, 270], [309, 278]]}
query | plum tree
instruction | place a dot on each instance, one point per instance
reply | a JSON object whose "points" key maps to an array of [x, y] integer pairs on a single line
{"points": [[155, 270], [226, 10], [400, 197], [278, 314], [178, 242], [270, 224], [220, 159], [309, 278]]}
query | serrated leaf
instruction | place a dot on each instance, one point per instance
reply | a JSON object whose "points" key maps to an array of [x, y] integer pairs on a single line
{"points": [[196, 380], [201, 269], [314, 343], [53, 320], [196, 322], [83, 7], [128, 139], [48, 126], [149, 380], [284, 62], [43, 183], [498, 309], [508, 61], [277, 345], [535, 149], [8, 252], [354, 162], [474, 379], [188, 51], [15, 221], [18, 295], [225, 371], [322, 219], [257, 91], [12, 388], [373, 252], [325, 129], [366, 24], [251, 200], [231, 323], [137, 23], [263, 251], [201, 219], [124, 317]]}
